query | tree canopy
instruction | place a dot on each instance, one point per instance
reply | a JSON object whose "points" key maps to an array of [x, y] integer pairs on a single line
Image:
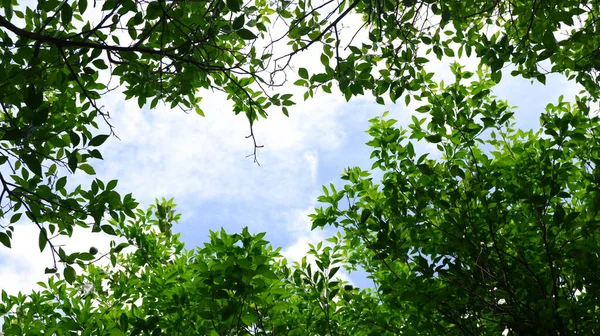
{"points": [[498, 234], [53, 56], [529, 38], [480, 241]]}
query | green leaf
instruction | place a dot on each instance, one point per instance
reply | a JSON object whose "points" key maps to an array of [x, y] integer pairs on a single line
{"points": [[40, 116], [33, 163], [98, 140], [435, 138], [425, 169], [100, 64], [445, 15], [111, 184], [199, 111], [15, 218], [120, 247], [7, 6], [82, 6], [549, 40], [33, 97], [559, 214], [324, 60], [108, 230], [66, 14], [234, 5], [75, 139], [124, 321], [87, 169], [497, 76], [303, 73], [541, 78], [109, 5], [14, 329], [364, 216], [423, 109], [69, 274], [5, 239], [333, 271], [250, 318], [320, 78], [42, 239], [456, 171], [239, 22], [60, 183], [246, 34]]}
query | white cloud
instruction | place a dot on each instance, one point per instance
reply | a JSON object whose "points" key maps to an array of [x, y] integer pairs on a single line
{"points": [[313, 161], [169, 153], [23, 265]]}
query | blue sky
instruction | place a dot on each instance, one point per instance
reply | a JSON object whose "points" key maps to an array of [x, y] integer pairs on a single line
{"points": [[201, 163]]}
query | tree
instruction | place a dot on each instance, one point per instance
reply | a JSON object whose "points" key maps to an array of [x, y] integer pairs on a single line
{"points": [[50, 79], [527, 37], [500, 233], [166, 51], [233, 285]]}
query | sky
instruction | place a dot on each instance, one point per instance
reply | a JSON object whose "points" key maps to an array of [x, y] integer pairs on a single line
{"points": [[201, 162]]}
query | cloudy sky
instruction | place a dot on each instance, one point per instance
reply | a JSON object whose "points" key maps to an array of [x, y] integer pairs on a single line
{"points": [[201, 162]]}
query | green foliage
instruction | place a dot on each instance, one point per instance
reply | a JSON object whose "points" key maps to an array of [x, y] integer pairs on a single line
{"points": [[534, 38], [233, 285], [53, 58], [51, 78], [499, 233]]}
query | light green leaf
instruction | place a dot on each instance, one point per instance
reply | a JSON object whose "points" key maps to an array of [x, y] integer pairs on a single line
{"points": [[87, 169]]}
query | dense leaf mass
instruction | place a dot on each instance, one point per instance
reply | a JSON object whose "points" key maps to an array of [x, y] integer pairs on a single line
{"points": [[499, 233], [52, 76], [493, 232], [527, 37]]}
